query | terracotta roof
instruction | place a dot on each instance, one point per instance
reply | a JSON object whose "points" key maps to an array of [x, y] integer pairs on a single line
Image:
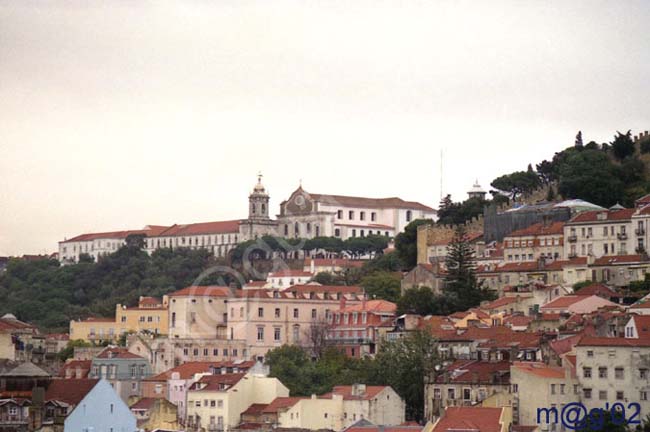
{"points": [[517, 320], [350, 201], [474, 371], [374, 428], [563, 346], [642, 324], [203, 291], [255, 409], [377, 226], [346, 391], [99, 319], [645, 199], [188, 369], [72, 365], [564, 301], [217, 382], [306, 289], [642, 304], [371, 306], [281, 403], [539, 369], [619, 259], [539, 229], [613, 341], [290, 273], [612, 215], [598, 289], [148, 231], [503, 301], [144, 404], [150, 301], [219, 227], [70, 391], [560, 264], [334, 262], [477, 419], [117, 352]]}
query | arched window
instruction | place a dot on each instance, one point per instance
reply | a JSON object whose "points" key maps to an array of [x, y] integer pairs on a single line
{"points": [[296, 229]]}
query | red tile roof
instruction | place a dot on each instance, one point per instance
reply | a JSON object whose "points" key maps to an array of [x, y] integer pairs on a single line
{"points": [[371, 306], [306, 289], [642, 324], [219, 227], [188, 369], [117, 352], [72, 365], [144, 404], [474, 371], [500, 302], [475, 419], [563, 346], [517, 320], [70, 391], [203, 291], [255, 409], [612, 215], [148, 231], [350, 201], [217, 382], [347, 392], [290, 273], [281, 403], [539, 369], [613, 341], [564, 301], [539, 229], [619, 259], [598, 289]]}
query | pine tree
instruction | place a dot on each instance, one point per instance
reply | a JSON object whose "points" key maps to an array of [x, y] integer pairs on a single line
{"points": [[462, 290]]}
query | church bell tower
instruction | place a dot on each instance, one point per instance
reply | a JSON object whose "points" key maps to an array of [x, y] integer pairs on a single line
{"points": [[258, 202]]}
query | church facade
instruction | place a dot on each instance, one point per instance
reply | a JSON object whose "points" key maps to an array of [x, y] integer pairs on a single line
{"points": [[302, 215]]}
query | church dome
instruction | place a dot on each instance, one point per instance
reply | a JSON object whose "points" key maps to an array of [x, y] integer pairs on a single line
{"points": [[259, 187], [477, 189]]}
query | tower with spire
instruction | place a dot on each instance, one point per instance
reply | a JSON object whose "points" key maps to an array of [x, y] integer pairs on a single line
{"points": [[258, 223], [477, 191]]}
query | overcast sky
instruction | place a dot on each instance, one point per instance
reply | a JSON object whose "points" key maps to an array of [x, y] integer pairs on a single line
{"points": [[117, 114]]}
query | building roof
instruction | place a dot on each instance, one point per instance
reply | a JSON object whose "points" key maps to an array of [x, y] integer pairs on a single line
{"points": [[255, 409], [609, 215], [642, 324], [218, 227], [83, 365], [218, 382], [361, 202], [117, 352], [500, 302], [539, 229], [306, 289], [26, 369], [475, 419], [188, 369], [517, 320], [371, 306], [290, 273], [203, 291], [598, 289], [144, 404], [474, 371], [281, 403], [334, 262], [149, 231], [539, 369], [565, 345], [619, 259], [613, 341], [70, 391], [564, 301], [348, 392]]}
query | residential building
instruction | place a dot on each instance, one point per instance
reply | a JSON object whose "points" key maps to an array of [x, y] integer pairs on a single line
{"points": [[475, 419], [341, 408], [308, 215], [599, 233], [614, 369], [330, 265], [155, 414], [536, 385], [266, 319], [123, 370], [215, 402], [151, 315], [286, 278], [577, 304], [199, 312], [17, 339], [85, 405], [465, 383], [543, 240], [424, 275], [94, 329], [356, 329]]}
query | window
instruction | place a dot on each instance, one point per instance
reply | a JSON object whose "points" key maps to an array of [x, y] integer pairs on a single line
{"points": [[436, 393], [277, 312], [602, 372], [409, 215], [195, 351], [260, 312], [618, 373], [586, 372], [276, 334], [313, 314], [586, 393], [590, 353], [295, 313], [362, 215], [354, 233], [552, 389], [643, 395], [643, 373], [260, 333], [620, 395], [515, 388], [339, 214], [296, 334], [337, 232], [562, 388], [602, 395], [467, 394], [451, 393], [351, 215]]}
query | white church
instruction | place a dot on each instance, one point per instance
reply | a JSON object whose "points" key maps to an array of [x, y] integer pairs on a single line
{"points": [[302, 215]]}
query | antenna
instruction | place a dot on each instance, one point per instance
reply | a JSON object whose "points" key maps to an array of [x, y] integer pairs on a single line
{"points": [[441, 157]]}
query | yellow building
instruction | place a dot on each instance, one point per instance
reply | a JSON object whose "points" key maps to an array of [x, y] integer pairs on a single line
{"points": [[150, 315]]}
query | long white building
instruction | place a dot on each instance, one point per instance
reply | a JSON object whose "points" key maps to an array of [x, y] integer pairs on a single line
{"points": [[303, 215]]}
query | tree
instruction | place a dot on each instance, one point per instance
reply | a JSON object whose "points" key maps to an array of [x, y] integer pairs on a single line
{"points": [[404, 364], [389, 262], [461, 288], [135, 241], [578, 142], [516, 183], [406, 243], [590, 175], [68, 351], [622, 146], [325, 278], [317, 334], [546, 172], [382, 285], [418, 300]]}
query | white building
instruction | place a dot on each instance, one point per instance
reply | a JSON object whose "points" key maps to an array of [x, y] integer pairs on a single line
{"points": [[308, 215]]}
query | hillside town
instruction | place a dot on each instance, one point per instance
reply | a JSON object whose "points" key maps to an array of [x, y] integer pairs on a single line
{"points": [[566, 320]]}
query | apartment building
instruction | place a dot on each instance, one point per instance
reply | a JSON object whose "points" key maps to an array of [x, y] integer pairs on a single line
{"points": [[199, 312], [599, 233], [544, 240]]}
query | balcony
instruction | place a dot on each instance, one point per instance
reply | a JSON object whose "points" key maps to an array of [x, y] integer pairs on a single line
{"points": [[639, 231], [573, 255], [572, 238], [621, 236]]}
